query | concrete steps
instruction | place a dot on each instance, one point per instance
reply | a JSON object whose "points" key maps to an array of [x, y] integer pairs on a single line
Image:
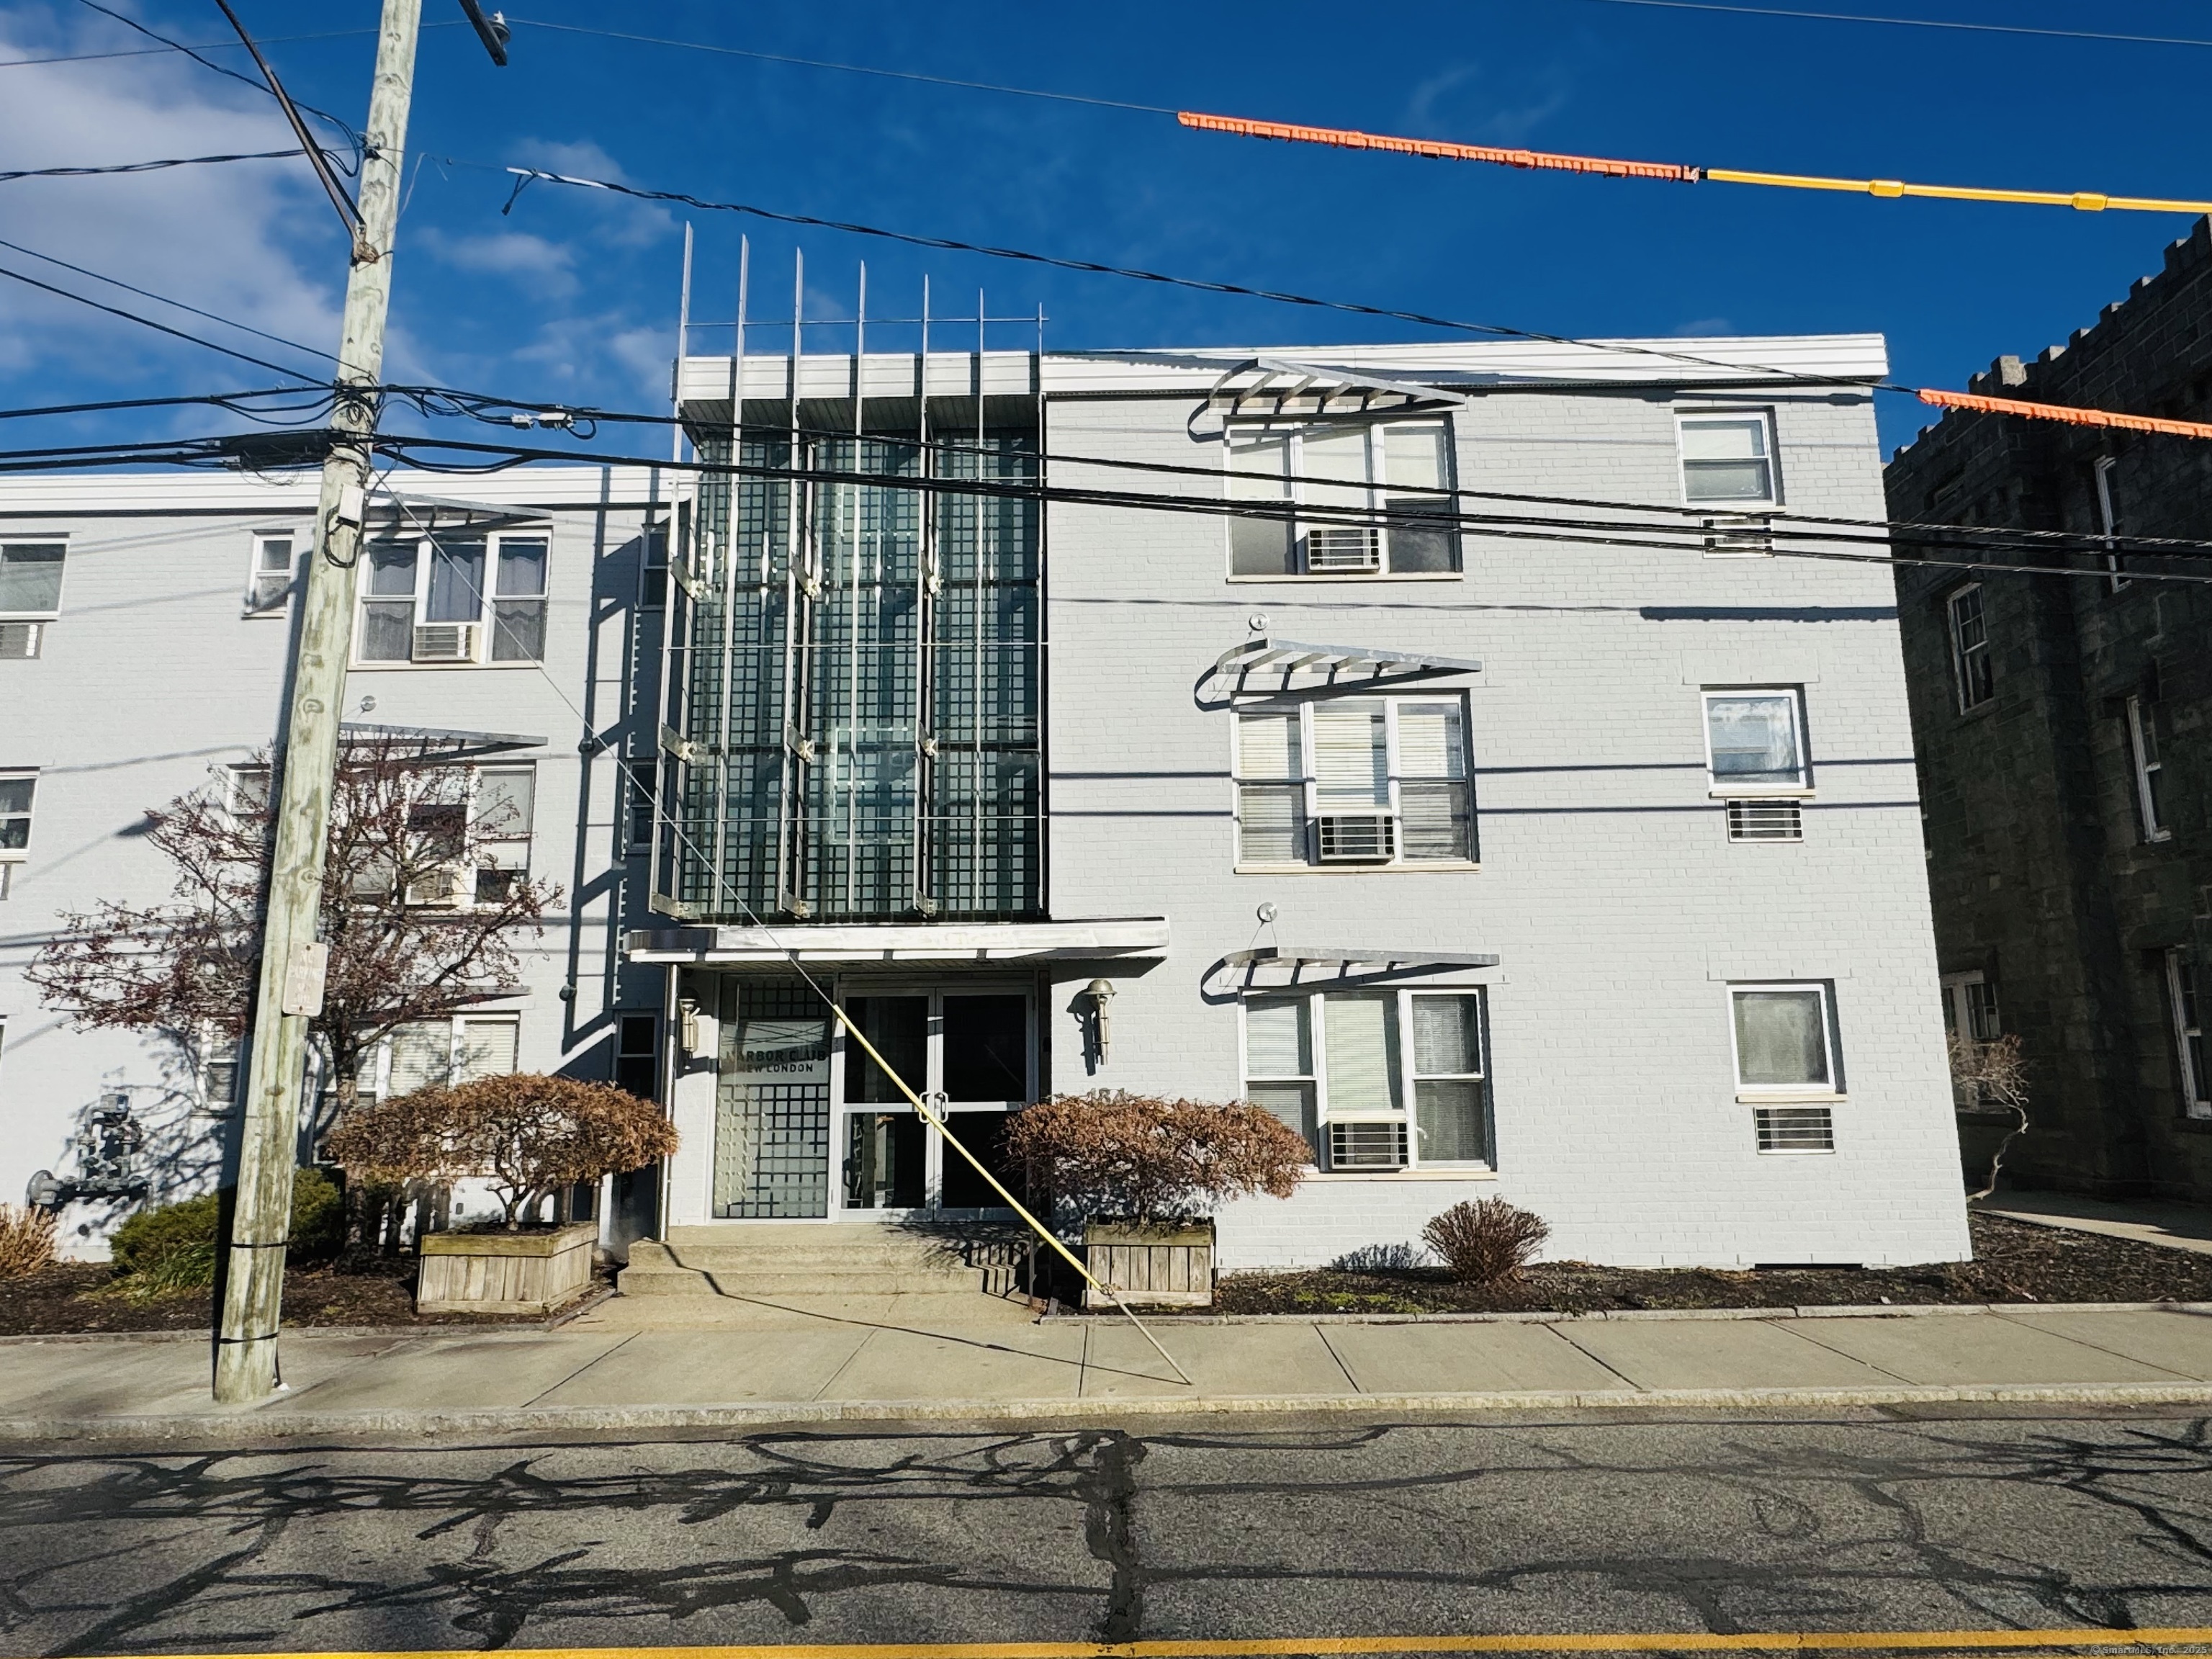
{"points": [[828, 1267]]}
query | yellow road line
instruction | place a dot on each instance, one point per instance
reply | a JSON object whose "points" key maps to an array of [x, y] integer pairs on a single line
{"points": [[1916, 1641]]}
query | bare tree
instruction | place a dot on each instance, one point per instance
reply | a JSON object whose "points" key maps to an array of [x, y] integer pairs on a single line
{"points": [[1990, 1076], [421, 905]]}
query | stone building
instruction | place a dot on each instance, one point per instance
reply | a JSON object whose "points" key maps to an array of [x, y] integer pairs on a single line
{"points": [[2063, 726]]}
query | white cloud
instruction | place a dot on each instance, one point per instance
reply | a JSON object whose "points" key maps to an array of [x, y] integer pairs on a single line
{"points": [[545, 269], [240, 239]]}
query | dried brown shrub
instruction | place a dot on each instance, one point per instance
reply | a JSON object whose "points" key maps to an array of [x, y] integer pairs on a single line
{"points": [[1141, 1159], [1487, 1241], [1991, 1077], [528, 1135], [27, 1240]]}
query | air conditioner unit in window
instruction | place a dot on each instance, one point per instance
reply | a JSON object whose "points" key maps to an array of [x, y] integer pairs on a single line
{"points": [[20, 640], [443, 889], [1343, 547], [1765, 820], [446, 642], [1358, 838], [1751, 537], [1374, 1146]]}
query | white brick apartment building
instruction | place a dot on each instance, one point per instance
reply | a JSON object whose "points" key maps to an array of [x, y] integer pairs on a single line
{"points": [[144, 623], [1519, 856]]}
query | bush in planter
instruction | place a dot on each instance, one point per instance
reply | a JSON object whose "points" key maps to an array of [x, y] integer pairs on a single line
{"points": [[1487, 1241], [1139, 1158], [528, 1135]]}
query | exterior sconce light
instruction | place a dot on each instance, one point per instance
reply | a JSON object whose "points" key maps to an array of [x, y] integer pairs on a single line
{"points": [[687, 1025], [1101, 991]]}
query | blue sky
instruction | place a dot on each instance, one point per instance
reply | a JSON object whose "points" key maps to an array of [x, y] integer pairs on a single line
{"points": [[574, 296]]}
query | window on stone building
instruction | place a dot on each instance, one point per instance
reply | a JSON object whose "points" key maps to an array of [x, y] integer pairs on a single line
{"points": [[1971, 670], [1728, 458], [2194, 1072], [2108, 521], [1374, 1080], [2150, 769], [1970, 1006], [1330, 480], [1354, 780]]}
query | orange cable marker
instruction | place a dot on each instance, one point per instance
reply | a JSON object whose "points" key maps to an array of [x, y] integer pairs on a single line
{"points": [[1437, 149], [2063, 412]]}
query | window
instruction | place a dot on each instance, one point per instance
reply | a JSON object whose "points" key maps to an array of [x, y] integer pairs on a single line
{"points": [[2108, 522], [2149, 770], [1728, 459], [269, 581], [653, 570], [1754, 741], [2192, 1070], [1354, 780], [1374, 1079], [1782, 1040], [436, 1053], [220, 1056], [246, 791], [1341, 474], [454, 599], [30, 594], [641, 776], [1970, 1006], [1971, 667], [16, 789], [637, 1061]]}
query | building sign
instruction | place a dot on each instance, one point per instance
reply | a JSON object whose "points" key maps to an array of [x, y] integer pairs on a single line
{"points": [[779, 1051]]}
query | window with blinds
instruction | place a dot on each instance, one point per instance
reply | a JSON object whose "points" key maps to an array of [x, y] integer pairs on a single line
{"points": [[1374, 1080], [1354, 781], [439, 1053], [1334, 501]]}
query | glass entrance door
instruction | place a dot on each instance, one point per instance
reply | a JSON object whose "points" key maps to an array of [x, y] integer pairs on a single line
{"points": [[972, 1054]]}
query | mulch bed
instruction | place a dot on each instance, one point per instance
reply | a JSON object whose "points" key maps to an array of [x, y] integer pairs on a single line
{"points": [[74, 1296], [2014, 1262]]}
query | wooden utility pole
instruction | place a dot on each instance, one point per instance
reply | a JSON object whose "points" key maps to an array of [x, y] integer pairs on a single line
{"points": [[291, 959]]}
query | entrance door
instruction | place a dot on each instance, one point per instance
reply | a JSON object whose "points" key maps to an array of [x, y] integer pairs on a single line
{"points": [[972, 1054]]}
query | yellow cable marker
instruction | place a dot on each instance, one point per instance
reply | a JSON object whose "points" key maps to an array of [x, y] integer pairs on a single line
{"points": [[2082, 201]]}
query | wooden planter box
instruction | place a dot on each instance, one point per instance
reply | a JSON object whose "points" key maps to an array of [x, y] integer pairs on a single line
{"points": [[504, 1272], [1164, 1265]]}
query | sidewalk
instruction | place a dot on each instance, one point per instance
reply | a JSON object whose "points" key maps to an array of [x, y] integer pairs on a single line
{"points": [[2175, 1226], [609, 1378]]}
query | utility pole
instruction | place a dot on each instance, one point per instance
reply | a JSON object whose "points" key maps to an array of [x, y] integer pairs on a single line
{"points": [[290, 990]]}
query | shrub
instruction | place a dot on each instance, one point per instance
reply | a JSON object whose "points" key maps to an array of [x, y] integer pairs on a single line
{"points": [[1139, 1158], [527, 1135], [173, 1248], [1487, 1241], [27, 1240]]}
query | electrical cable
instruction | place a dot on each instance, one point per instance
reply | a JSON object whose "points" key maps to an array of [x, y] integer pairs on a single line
{"points": [[228, 400], [143, 167], [171, 45], [1912, 23], [163, 328]]}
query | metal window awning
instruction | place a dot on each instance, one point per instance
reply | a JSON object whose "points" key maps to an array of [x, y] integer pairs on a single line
{"points": [[459, 743], [947, 943], [1288, 657], [1275, 387], [1278, 967]]}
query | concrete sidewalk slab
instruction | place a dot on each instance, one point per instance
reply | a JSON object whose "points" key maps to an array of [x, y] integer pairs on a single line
{"points": [[1030, 1364], [1756, 1353], [1958, 1353], [2170, 1226], [456, 1372], [1228, 1360], [2177, 1341], [98, 1378], [711, 1367], [1463, 1358]]}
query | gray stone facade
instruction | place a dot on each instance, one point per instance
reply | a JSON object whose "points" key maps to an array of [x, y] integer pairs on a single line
{"points": [[2087, 910]]}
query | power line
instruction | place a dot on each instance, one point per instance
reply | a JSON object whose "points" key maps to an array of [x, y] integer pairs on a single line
{"points": [[1912, 23], [148, 322], [163, 299], [143, 167], [171, 45], [848, 69], [229, 400]]}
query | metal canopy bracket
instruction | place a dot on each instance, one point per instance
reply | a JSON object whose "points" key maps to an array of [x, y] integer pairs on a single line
{"points": [[1138, 937], [1270, 385], [1240, 969], [1290, 657]]}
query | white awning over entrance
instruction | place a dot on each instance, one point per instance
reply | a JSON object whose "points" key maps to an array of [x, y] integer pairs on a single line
{"points": [[942, 942]]}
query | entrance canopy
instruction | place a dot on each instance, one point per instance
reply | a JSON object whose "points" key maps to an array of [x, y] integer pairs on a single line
{"points": [[939, 942], [1279, 967]]}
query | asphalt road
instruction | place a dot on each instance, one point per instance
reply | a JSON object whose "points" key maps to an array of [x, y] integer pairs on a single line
{"points": [[1852, 1522]]}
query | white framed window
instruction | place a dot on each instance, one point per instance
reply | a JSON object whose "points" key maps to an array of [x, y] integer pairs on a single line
{"points": [[2108, 522], [1728, 457], [1755, 740], [1351, 781], [2193, 1066], [1374, 1080], [1973, 673], [17, 792], [1783, 1036], [2149, 769], [221, 1054], [1344, 472], [502, 809], [430, 1052], [269, 577], [1970, 1006], [453, 599], [652, 568], [30, 593]]}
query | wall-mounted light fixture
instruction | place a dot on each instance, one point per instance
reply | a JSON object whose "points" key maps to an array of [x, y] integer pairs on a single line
{"points": [[1101, 991]]}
